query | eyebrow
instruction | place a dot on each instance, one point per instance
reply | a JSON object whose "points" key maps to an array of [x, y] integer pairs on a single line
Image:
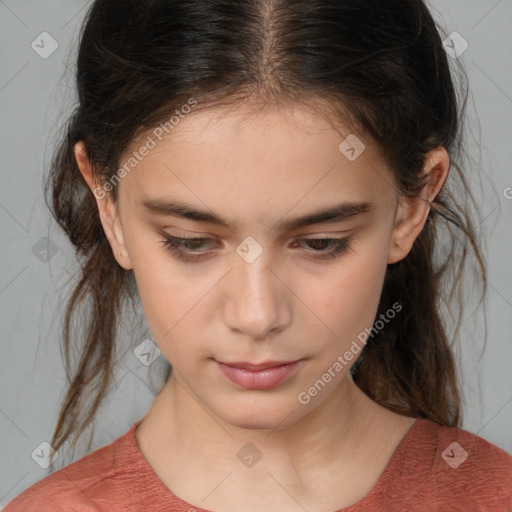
{"points": [[331, 214]]}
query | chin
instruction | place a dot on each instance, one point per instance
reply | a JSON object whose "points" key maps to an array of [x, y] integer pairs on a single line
{"points": [[255, 423], [260, 414]]}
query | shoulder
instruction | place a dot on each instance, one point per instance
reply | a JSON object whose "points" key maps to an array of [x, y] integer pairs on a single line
{"points": [[85, 483], [461, 449], [457, 468]]}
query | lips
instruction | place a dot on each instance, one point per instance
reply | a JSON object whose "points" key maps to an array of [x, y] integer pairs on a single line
{"points": [[258, 376], [258, 367]]}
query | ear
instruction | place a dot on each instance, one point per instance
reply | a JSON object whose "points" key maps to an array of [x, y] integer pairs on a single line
{"points": [[107, 207], [412, 212]]}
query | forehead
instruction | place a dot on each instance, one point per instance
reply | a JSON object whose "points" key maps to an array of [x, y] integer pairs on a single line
{"points": [[284, 158], [291, 124]]}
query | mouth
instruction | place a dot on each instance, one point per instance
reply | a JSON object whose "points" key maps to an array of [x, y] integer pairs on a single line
{"points": [[258, 376], [258, 367]]}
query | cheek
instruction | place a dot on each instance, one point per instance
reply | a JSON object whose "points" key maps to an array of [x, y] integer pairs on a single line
{"points": [[175, 300], [168, 300], [347, 300], [169, 305], [165, 291]]}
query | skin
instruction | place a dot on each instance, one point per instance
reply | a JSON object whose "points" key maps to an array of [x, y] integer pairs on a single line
{"points": [[287, 304]]}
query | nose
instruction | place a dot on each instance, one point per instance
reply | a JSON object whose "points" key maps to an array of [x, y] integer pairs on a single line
{"points": [[258, 299]]}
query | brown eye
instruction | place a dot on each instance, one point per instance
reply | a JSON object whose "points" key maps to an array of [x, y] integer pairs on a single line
{"points": [[337, 245], [185, 247]]}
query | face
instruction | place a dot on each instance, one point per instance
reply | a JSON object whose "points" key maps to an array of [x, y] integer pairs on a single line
{"points": [[254, 284]]}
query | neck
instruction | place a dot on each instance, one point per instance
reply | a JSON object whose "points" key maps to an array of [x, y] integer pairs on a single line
{"points": [[180, 425], [328, 459]]}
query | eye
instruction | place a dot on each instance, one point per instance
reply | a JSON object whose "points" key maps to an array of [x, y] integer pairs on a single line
{"points": [[337, 246], [191, 244], [188, 248]]}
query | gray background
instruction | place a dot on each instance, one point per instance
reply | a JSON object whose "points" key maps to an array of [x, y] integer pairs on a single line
{"points": [[34, 97]]}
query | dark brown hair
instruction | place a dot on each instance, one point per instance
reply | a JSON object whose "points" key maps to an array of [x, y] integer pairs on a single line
{"points": [[378, 66]]}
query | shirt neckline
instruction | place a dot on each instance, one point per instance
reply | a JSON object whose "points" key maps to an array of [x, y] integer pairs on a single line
{"points": [[162, 494]]}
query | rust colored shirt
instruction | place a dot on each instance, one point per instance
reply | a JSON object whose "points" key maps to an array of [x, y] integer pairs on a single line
{"points": [[434, 468]]}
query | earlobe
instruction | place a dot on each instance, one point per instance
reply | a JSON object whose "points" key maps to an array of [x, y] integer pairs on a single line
{"points": [[106, 208], [407, 228]]}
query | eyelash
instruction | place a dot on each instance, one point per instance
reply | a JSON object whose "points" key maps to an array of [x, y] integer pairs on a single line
{"points": [[174, 244]]}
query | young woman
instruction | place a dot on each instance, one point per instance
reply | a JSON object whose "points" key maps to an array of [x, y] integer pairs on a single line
{"points": [[271, 179]]}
